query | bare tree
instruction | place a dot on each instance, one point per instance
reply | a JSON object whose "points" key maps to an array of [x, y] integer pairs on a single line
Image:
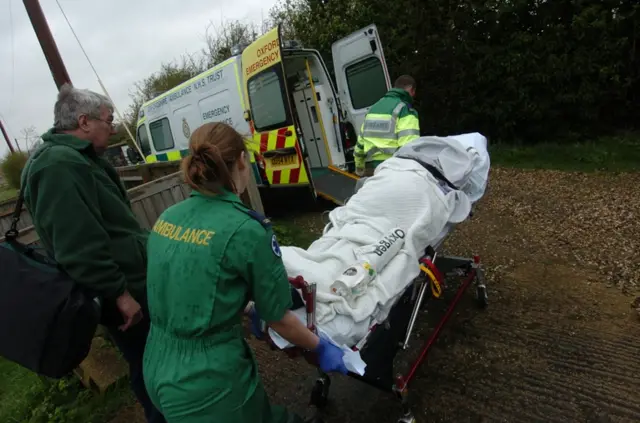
{"points": [[31, 138], [220, 39]]}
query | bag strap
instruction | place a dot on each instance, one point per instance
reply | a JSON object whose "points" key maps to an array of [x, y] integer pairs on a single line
{"points": [[13, 232]]}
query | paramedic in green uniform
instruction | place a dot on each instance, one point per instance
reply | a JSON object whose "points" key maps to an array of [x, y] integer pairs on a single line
{"points": [[208, 256]]}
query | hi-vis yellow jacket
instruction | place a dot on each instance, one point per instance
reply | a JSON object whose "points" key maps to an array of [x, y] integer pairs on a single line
{"points": [[390, 124]]}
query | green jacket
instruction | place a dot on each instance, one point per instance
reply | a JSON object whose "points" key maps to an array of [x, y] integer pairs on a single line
{"points": [[83, 216], [390, 123]]}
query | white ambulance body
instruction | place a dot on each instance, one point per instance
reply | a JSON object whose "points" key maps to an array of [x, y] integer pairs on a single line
{"points": [[166, 122]]}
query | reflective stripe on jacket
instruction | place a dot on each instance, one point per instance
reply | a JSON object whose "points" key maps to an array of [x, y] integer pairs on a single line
{"points": [[390, 124]]}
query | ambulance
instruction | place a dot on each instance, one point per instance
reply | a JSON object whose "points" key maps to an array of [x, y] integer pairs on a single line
{"points": [[303, 125]]}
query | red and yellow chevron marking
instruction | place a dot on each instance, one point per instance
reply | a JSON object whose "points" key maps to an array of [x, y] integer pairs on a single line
{"points": [[251, 144], [273, 140]]}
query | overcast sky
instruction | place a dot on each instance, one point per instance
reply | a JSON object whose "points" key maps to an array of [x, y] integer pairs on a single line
{"points": [[126, 40]]}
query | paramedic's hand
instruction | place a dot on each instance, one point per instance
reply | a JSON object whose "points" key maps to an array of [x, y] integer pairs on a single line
{"points": [[360, 171], [130, 310], [330, 357], [256, 325]]}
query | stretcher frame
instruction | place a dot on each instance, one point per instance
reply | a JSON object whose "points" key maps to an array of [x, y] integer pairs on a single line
{"points": [[397, 329]]}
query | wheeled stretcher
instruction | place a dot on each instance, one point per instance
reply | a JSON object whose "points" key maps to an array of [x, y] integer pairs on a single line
{"points": [[418, 196], [383, 341]]}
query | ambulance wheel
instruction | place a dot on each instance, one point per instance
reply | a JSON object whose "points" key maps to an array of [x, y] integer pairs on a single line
{"points": [[320, 393], [481, 296]]}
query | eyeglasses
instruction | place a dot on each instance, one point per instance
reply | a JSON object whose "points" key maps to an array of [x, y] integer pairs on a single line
{"points": [[110, 123]]}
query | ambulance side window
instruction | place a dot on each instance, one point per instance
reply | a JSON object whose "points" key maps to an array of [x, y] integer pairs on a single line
{"points": [[366, 81], [269, 109], [161, 134], [143, 140]]}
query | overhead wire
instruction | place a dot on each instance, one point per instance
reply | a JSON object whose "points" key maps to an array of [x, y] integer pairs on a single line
{"points": [[13, 58], [100, 81]]}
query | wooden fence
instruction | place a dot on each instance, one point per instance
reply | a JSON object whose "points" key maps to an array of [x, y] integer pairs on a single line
{"points": [[6, 217], [135, 175], [148, 201], [7, 205]]}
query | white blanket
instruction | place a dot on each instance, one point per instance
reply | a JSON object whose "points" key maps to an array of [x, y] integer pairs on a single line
{"points": [[401, 194]]}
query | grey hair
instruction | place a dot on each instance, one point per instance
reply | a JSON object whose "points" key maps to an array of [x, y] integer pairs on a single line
{"points": [[73, 102]]}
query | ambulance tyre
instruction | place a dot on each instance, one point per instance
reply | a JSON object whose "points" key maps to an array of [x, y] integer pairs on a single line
{"points": [[320, 393]]}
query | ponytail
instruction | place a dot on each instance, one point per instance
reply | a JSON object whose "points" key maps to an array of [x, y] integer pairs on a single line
{"points": [[214, 151]]}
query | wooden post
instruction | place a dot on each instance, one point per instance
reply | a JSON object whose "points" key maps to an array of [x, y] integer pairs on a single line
{"points": [[48, 44], [6, 137]]}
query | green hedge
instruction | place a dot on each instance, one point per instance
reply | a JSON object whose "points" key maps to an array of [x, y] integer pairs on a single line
{"points": [[11, 168], [521, 71]]}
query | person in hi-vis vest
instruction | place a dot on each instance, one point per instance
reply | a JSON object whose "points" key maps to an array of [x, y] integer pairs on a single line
{"points": [[390, 123]]}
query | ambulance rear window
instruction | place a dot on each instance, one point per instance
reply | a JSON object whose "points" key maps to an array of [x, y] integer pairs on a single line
{"points": [[267, 100], [366, 82], [161, 134]]}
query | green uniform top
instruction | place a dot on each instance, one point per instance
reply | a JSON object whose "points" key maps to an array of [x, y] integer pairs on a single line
{"points": [[83, 217], [389, 124], [208, 255]]}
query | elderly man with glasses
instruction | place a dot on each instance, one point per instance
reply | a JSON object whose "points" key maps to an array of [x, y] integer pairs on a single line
{"points": [[83, 217]]}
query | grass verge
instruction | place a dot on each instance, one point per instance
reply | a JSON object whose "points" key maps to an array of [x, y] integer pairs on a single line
{"points": [[289, 234], [27, 398], [613, 154]]}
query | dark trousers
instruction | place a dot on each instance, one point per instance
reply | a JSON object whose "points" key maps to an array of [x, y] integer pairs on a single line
{"points": [[131, 344]]}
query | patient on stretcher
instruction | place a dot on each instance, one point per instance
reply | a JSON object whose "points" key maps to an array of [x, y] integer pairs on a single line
{"points": [[369, 251]]}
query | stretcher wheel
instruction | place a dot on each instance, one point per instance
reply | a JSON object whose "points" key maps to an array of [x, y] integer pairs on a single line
{"points": [[481, 296], [320, 393]]}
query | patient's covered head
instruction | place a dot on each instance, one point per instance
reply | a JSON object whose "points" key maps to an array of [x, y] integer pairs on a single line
{"points": [[217, 160]]}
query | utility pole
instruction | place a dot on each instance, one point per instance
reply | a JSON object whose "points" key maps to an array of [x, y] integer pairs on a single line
{"points": [[48, 44], [6, 138]]}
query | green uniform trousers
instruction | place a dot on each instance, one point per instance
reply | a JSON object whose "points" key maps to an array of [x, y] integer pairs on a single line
{"points": [[208, 381]]}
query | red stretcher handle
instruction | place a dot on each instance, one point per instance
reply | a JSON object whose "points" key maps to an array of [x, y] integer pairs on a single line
{"points": [[308, 297], [298, 282]]}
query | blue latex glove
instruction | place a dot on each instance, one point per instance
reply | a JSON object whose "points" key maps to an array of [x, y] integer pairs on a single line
{"points": [[256, 324], [330, 357]]}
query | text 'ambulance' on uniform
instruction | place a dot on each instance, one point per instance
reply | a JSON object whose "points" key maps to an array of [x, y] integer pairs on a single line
{"points": [[209, 255], [390, 123]]}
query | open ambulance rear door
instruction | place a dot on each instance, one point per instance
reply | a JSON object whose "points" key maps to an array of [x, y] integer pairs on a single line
{"points": [[362, 76], [362, 79], [271, 113]]}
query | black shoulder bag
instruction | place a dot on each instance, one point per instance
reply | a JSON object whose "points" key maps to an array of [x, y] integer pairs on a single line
{"points": [[47, 320]]}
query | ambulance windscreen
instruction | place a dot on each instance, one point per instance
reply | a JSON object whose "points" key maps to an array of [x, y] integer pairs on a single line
{"points": [[161, 134], [266, 97], [143, 140]]}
